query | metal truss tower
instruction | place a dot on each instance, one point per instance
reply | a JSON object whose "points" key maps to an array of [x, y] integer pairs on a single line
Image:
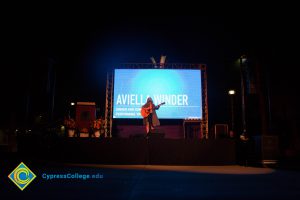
{"points": [[110, 87]]}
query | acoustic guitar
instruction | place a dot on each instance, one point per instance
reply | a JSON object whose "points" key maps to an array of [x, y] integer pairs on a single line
{"points": [[146, 111]]}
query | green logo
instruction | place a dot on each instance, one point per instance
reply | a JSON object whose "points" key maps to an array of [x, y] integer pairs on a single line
{"points": [[22, 176]]}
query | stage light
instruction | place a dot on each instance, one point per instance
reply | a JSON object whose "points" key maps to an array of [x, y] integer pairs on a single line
{"points": [[231, 92], [232, 128], [243, 58], [72, 104], [162, 61], [153, 62]]}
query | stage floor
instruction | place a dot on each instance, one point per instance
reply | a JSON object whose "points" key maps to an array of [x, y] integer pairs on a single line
{"points": [[224, 169], [152, 151]]}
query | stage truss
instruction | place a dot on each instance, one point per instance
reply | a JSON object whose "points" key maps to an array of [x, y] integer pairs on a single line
{"points": [[110, 88]]}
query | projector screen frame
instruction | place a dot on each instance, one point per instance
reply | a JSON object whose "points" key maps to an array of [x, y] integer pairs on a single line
{"points": [[110, 88]]}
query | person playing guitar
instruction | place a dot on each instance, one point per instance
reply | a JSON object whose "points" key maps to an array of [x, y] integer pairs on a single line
{"points": [[150, 119]]}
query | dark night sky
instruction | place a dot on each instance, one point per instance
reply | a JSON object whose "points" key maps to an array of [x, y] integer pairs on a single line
{"points": [[87, 47]]}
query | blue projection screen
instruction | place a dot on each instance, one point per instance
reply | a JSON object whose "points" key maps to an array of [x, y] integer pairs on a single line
{"points": [[180, 89]]}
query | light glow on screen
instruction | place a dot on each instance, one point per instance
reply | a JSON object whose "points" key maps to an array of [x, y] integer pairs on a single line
{"points": [[179, 89]]}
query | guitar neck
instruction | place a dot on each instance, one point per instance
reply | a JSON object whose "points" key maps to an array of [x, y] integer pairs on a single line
{"points": [[161, 104]]}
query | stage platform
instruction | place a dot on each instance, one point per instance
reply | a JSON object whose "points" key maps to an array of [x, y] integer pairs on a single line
{"points": [[153, 151]]}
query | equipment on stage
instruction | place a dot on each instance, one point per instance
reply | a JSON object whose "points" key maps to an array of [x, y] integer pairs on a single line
{"points": [[192, 129], [146, 111], [85, 114]]}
